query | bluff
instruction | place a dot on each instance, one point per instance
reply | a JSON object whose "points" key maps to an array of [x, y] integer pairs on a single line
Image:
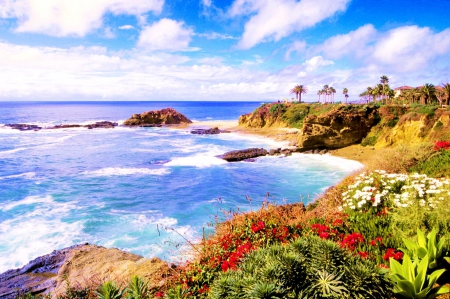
{"points": [[82, 266], [166, 116], [336, 126]]}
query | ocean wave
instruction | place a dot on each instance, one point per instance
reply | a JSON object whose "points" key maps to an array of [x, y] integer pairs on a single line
{"points": [[112, 171], [25, 175], [37, 230], [198, 160]]}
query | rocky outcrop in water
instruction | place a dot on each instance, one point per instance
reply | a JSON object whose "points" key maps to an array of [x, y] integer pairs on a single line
{"points": [[82, 266], [96, 125], [211, 131], [240, 155], [167, 116]]}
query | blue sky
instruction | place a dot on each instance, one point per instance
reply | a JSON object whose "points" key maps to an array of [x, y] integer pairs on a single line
{"points": [[217, 50]]}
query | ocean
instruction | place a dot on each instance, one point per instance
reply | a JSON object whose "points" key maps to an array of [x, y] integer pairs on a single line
{"points": [[144, 190]]}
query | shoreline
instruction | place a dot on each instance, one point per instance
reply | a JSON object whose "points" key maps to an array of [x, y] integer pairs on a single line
{"points": [[354, 152]]}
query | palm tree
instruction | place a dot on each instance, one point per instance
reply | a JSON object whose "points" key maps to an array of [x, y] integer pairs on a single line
{"points": [[345, 92], [332, 92], [428, 93], [369, 93], [319, 93], [326, 91], [384, 80], [447, 92], [298, 90]]}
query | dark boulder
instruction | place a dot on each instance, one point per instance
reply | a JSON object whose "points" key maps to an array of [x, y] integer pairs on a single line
{"points": [[211, 131], [24, 127], [244, 154]]}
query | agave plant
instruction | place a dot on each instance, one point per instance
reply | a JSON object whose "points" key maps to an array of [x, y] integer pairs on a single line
{"points": [[411, 279], [426, 247]]}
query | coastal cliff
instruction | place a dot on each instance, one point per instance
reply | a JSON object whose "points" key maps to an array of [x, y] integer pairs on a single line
{"points": [[336, 126]]}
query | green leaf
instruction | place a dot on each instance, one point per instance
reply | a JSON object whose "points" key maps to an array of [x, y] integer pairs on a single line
{"points": [[421, 239], [407, 287], [437, 292], [433, 277], [421, 275]]}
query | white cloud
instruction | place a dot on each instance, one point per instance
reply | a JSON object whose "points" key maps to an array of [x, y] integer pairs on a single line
{"points": [[166, 34], [407, 48], [316, 62], [356, 42], [68, 17], [297, 46], [411, 48], [206, 3], [215, 35], [126, 27], [272, 20]]}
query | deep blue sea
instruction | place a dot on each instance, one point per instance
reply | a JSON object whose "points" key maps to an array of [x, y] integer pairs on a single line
{"points": [[145, 190]]}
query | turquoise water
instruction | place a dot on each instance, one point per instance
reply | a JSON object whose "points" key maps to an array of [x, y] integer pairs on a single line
{"points": [[145, 190]]}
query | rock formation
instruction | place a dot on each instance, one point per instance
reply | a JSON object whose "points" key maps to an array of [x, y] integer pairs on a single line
{"points": [[337, 128], [83, 266], [239, 155], [99, 124], [211, 131], [167, 116]]}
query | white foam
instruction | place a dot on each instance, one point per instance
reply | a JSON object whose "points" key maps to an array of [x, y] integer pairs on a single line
{"points": [[118, 171], [26, 201], [340, 163], [25, 175], [36, 231], [199, 160]]}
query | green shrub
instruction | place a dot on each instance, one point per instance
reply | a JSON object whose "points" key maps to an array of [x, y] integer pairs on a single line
{"points": [[295, 114], [307, 268], [277, 109], [438, 125], [369, 141], [436, 165]]}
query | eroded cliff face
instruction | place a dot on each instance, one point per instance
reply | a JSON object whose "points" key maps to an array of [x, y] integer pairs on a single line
{"points": [[338, 128], [80, 265], [413, 128]]}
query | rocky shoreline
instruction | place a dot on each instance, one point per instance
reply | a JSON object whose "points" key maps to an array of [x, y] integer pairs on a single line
{"points": [[80, 265]]}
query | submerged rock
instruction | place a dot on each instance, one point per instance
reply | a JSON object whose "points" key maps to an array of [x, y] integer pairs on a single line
{"points": [[167, 116], [245, 154], [211, 131], [80, 265], [99, 124], [24, 127]]}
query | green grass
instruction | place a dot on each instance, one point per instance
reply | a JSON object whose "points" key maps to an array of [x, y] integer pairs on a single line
{"points": [[437, 165]]}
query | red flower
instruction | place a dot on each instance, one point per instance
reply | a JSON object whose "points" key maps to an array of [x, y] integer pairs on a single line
{"points": [[203, 289], [258, 227], [391, 253], [225, 266], [351, 241], [337, 222], [441, 145], [377, 241], [324, 235], [159, 295], [363, 254]]}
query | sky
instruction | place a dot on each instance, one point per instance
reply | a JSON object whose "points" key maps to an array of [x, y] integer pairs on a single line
{"points": [[218, 50]]}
